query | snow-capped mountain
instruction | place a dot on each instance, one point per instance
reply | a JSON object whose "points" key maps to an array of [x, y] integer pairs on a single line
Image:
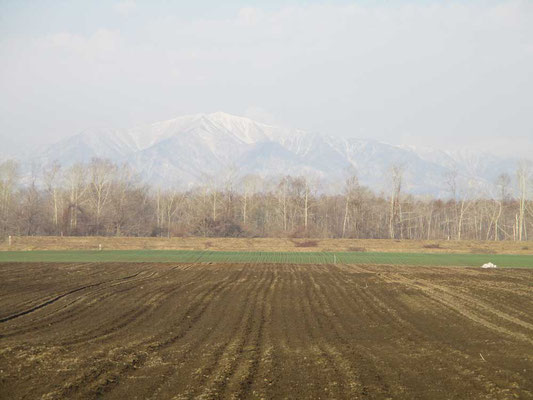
{"points": [[190, 149]]}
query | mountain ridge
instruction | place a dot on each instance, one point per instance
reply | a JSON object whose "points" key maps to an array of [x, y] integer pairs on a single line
{"points": [[186, 149]]}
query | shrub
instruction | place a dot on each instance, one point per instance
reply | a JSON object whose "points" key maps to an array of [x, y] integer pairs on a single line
{"points": [[307, 243], [299, 232], [220, 228]]}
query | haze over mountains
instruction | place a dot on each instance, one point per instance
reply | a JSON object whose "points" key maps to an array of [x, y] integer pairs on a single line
{"points": [[188, 150]]}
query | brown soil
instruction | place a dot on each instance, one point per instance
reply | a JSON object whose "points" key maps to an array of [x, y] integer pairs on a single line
{"points": [[163, 331], [266, 244]]}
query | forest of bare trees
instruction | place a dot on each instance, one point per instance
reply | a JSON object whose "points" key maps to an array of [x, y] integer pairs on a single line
{"points": [[102, 198]]}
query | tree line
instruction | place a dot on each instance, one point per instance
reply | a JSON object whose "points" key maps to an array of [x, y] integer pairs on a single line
{"points": [[103, 198]]}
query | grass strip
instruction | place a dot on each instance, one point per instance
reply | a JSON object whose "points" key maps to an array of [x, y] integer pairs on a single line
{"points": [[465, 260]]}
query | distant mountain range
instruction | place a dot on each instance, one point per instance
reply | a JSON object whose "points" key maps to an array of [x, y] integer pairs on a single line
{"points": [[187, 149]]}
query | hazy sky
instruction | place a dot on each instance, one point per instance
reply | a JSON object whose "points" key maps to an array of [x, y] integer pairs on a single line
{"points": [[440, 73]]}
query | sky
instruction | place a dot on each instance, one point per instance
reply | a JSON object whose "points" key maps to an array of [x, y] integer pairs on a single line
{"points": [[448, 74]]}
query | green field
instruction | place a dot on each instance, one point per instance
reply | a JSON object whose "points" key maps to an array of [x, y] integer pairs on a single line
{"points": [[463, 260]]}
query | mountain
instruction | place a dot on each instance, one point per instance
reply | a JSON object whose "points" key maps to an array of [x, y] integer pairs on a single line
{"points": [[189, 150]]}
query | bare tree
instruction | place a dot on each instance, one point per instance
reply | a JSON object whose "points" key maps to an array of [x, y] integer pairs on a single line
{"points": [[396, 174], [229, 178], [76, 180], [52, 180], [523, 176], [172, 199], [350, 193], [502, 183], [31, 207], [461, 191], [306, 207], [464, 204], [128, 202], [101, 174], [9, 175], [282, 192], [250, 185], [211, 188]]}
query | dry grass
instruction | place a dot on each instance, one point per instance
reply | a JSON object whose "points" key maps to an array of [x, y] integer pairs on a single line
{"points": [[266, 244]]}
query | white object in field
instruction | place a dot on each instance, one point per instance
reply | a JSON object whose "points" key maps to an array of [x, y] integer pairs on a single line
{"points": [[10, 240], [99, 247], [489, 265]]}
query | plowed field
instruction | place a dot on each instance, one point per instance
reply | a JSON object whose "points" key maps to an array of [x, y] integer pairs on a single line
{"points": [[163, 331]]}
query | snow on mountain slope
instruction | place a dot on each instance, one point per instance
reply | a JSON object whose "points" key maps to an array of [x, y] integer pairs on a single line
{"points": [[84, 146], [206, 125], [272, 159], [189, 150]]}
